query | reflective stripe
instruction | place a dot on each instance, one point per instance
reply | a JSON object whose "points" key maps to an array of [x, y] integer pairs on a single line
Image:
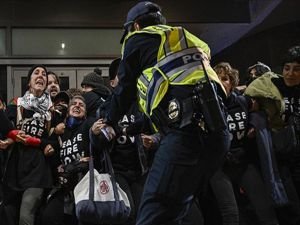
{"points": [[188, 72], [142, 96], [181, 40], [154, 94], [153, 88], [167, 43], [178, 55], [175, 40], [183, 62], [141, 91], [164, 27], [184, 67], [144, 80]]}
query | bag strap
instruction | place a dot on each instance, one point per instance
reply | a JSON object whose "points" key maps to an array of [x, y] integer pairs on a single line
{"points": [[112, 174], [142, 154], [108, 168], [92, 175]]}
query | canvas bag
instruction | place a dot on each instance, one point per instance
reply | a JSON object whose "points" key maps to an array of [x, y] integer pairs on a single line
{"points": [[100, 200]]}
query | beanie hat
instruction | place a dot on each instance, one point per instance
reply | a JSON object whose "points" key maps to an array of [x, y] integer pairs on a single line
{"points": [[31, 71], [93, 79], [113, 68]]}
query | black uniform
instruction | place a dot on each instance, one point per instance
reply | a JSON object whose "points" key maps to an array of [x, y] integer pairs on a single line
{"points": [[177, 172]]}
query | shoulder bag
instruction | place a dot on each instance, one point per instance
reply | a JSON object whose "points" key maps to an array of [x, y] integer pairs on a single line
{"points": [[98, 197]]}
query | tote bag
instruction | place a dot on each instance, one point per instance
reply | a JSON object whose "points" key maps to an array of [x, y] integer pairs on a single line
{"points": [[98, 197]]}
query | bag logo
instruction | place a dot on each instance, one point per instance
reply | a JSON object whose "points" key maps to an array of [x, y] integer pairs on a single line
{"points": [[104, 187]]}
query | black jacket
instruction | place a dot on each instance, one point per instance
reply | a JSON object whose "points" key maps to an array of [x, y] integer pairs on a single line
{"points": [[27, 166]]}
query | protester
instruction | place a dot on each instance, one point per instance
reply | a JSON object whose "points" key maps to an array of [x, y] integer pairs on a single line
{"points": [[94, 91], [280, 101], [74, 153], [53, 86], [241, 168], [256, 71], [27, 170]]}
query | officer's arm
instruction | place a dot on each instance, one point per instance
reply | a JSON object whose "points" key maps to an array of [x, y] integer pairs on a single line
{"points": [[125, 92], [140, 52]]}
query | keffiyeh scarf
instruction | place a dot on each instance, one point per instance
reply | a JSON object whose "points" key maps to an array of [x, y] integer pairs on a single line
{"points": [[40, 105]]}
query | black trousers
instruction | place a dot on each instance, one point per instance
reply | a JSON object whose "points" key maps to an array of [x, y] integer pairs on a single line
{"points": [[290, 214], [21, 207], [53, 210], [181, 167], [132, 184]]}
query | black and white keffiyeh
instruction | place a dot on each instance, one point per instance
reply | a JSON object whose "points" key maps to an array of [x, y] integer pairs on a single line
{"points": [[40, 105]]}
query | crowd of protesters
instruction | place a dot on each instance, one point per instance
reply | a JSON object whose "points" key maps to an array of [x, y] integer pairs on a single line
{"points": [[45, 148], [46, 136]]}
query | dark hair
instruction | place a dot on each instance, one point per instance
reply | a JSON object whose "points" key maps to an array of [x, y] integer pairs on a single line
{"points": [[232, 73], [260, 68], [33, 67], [55, 75], [292, 55], [149, 19]]}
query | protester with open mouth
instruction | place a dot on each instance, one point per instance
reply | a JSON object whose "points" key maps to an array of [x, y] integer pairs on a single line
{"points": [[27, 171], [53, 84]]}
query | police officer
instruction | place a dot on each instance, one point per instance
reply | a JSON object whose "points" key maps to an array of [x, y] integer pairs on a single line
{"points": [[163, 64]]}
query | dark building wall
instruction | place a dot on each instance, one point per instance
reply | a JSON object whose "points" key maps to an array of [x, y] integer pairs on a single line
{"points": [[112, 13], [268, 47]]}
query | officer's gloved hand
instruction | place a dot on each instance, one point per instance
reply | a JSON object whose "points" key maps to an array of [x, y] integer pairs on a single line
{"points": [[100, 128], [108, 132]]}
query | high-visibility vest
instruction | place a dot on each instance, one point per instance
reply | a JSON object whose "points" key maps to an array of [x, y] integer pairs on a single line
{"points": [[178, 63]]}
